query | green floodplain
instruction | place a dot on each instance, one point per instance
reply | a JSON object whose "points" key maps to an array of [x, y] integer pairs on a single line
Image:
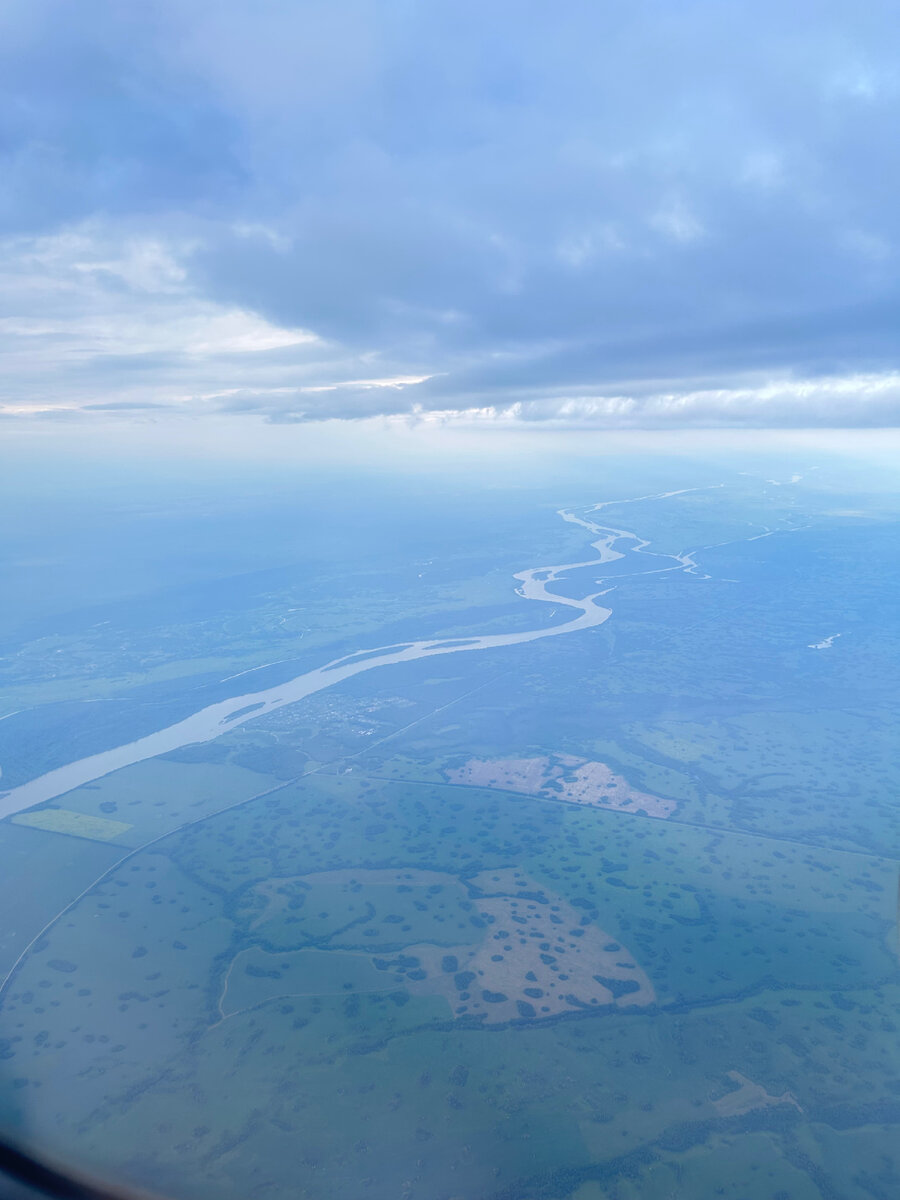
{"points": [[609, 916]]}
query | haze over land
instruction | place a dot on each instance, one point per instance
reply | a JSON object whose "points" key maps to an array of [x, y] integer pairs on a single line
{"points": [[600, 895]]}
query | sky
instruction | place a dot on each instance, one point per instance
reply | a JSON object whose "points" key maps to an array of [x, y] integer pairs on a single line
{"points": [[603, 215]]}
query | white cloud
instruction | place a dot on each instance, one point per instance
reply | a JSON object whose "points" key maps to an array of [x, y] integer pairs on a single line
{"points": [[862, 81], [867, 246], [86, 302], [676, 221], [192, 328], [104, 321], [763, 169], [871, 400], [579, 249], [142, 263]]}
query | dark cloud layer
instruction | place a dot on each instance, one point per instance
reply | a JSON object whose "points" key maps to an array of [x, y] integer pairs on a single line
{"points": [[542, 208]]}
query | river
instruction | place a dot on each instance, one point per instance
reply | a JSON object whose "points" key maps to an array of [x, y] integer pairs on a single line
{"points": [[216, 719]]}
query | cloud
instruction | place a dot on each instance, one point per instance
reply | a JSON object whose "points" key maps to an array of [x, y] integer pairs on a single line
{"points": [[674, 220], [109, 320], [123, 406], [839, 402], [609, 214]]}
